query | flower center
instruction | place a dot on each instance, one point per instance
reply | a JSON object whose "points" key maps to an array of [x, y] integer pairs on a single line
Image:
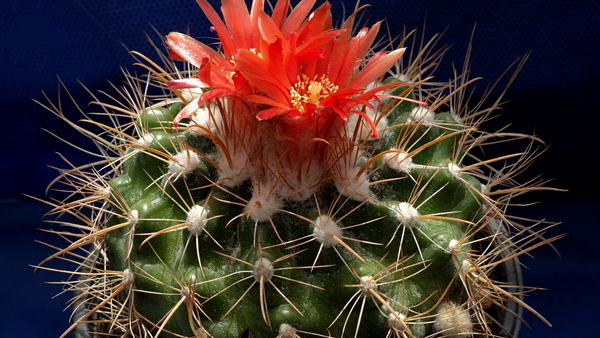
{"points": [[311, 91]]}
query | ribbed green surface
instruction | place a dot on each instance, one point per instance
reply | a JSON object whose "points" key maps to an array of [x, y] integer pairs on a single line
{"points": [[412, 265]]}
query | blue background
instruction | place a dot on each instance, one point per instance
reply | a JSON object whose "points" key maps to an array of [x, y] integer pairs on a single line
{"points": [[555, 97]]}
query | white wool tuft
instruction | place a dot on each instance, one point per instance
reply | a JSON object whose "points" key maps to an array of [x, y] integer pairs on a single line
{"points": [[454, 169], [197, 217], [453, 321], [203, 117], [422, 114], [453, 246], [399, 161], [407, 214], [301, 188], [325, 229], [145, 140], [134, 218], [263, 204], [235, 173], [348, 184], [185, 162], [287, 331], [367, 283], [396, 322], [364, 131], [263, 268], [128, 276]]}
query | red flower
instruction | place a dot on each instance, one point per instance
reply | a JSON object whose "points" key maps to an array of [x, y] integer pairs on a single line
{"points": [[294, 66]]}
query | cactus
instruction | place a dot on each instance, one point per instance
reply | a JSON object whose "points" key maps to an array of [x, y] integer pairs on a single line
{"points": [[291, 185]]}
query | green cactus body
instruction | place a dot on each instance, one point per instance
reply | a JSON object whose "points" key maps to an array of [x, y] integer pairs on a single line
{"points": [[274, 194], [322, 263]]}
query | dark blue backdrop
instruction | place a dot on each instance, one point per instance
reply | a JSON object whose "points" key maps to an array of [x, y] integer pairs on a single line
{"points": [[555, 96]]}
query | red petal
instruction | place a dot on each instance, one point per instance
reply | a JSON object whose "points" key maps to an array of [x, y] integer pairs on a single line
{"points": [[336, 58], [357, 49], [186, 83], [190, 49], [215, 19], [373, 70], [369, 121], [268, 77], [333, 104], [216, 78], [261, 99], [319, 21], [270, 113], [174, 56], [186, 112], [268, 28], [297, 16], [280, 12], [319, 39], [237, 19]]}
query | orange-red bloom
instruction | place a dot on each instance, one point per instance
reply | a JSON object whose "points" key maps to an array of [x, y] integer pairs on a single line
{"points": [[293, 65]]}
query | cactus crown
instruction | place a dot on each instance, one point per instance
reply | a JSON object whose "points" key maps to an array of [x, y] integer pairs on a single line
{"points": [[291, 185]]}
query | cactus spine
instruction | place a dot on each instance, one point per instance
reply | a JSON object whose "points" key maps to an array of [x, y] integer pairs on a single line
{"points": [[281, 188]]}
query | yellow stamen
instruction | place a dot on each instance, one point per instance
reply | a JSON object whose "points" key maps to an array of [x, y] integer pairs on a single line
{"points": [[311, 91]]}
